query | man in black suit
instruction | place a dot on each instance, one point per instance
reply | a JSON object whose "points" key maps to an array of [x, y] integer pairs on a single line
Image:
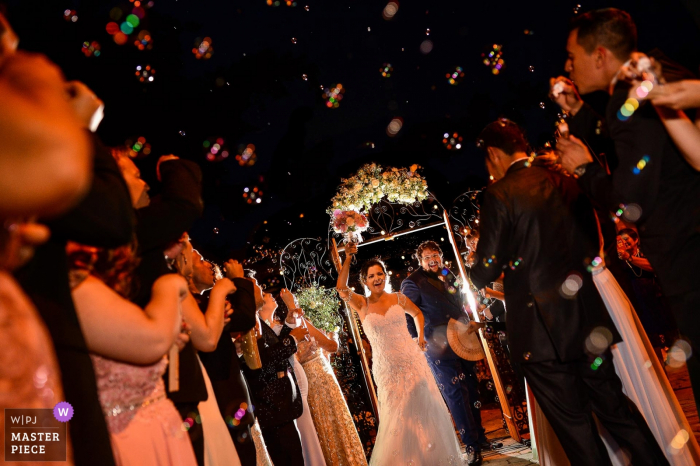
{"points": [[161, 221], [653, 186], [274, 388], [539, 229], [222, 364]]}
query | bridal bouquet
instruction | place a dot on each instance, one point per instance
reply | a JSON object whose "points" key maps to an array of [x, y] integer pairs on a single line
{"points": [[350, 223]]}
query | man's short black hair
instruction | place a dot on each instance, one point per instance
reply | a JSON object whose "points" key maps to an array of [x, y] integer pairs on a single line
{"points": [[505, 135], [610, 28]]}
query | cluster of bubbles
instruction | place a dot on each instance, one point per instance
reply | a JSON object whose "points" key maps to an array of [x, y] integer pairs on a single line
{"points": [[386, 70], [252, 195], [452, 141], [290, 3], [145, 73], [120, 30], [456, 76], [679, 440], [70, 15], [514, 264], [390, 10], [138, 148], [679, 353], [305, 77], [144, 41], [529, 32], [577, 8], [494, 59], [597, 362], [91, 49], [394, 127], [190, 420], [246, 156], [203, 49], [216, 149], [641, 165], [489, 260], [333, 95]]}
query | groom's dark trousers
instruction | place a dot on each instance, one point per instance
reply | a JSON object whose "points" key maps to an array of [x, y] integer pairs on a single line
{"points": [[555, 313]]}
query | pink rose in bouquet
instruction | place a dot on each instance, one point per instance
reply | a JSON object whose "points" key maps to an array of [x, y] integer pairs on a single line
{"points": [[348, 221]]}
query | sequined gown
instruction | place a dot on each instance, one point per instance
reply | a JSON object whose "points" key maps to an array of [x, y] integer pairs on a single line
{"points": [[144, 426], [415, 427], [340, 442]]}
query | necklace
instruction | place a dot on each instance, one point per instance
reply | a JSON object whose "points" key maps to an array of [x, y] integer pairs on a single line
{"points": [[632, 267]]}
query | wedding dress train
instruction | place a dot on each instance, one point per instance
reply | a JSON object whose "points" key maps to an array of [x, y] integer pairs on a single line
{"points": [[415, 427]]}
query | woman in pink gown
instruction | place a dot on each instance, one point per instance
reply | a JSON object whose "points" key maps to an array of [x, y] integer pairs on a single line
{"points": [[128, 346]]}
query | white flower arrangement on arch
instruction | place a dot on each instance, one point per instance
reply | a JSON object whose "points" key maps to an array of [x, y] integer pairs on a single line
{"points": [[371, 184]]}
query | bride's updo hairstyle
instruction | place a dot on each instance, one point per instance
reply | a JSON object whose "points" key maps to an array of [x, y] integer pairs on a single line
{"points": [[365, 269]]}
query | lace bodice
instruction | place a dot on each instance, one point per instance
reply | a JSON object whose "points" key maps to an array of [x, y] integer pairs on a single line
{"points": [[125, 389]]}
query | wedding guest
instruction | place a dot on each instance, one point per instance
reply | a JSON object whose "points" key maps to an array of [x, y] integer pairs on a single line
{"points": [[160, 223], [654, 312], [556, 231], [311, 447], [223, 366], [206, 329], [658, 194], [274, 388], [104, 217], [29, 371]]}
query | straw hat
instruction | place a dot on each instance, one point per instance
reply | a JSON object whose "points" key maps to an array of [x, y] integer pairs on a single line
{"points": [[466, 346]]}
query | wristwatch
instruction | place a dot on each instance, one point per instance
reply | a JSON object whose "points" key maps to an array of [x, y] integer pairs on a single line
{"points": [[580, 170]]}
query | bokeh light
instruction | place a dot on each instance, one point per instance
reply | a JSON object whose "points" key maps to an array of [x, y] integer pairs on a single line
{"points": [[456, 76], [452, 141], [493, 58], [70, 16], [138, 147], [333, 95], [394, 127], [203, 48], [246, 156], [91, 49], [390, 10], [144, 41], [215, 149], [145, 73], [252, 195], [386, 70]]}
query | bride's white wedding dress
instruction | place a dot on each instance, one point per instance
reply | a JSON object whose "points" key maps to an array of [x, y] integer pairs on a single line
{"points": [[415, 427]]}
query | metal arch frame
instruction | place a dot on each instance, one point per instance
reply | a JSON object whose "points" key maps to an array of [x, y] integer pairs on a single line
{"points": [[454, 232], [308, 265]]}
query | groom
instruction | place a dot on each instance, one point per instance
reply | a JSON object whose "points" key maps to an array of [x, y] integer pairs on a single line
{"points": [[559, 329], [455, 376]]}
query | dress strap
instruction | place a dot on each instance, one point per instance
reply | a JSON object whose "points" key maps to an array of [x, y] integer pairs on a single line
{"points": [[401, 299]]}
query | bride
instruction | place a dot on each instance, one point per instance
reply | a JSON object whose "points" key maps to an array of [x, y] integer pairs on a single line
{"points": [[415, 427]]}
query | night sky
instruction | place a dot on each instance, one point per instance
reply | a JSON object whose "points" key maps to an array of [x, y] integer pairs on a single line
{"points": [[252, 91]]}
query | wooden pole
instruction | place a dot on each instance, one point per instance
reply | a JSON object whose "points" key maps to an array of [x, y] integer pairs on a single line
{"points": [[357, 339], [466, 286]]}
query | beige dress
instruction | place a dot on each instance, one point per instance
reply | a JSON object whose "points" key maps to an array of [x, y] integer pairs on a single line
{"points": [[340, 442]]}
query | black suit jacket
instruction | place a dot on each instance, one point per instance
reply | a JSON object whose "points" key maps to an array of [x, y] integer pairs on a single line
{"points": [[104, 218], [542, 220], [222, 364], [277, 400], [162, 222], [667, 190], [438, 307]]}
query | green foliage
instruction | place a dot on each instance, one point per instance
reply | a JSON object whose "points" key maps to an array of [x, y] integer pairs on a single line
{"points": [[321, 306]]}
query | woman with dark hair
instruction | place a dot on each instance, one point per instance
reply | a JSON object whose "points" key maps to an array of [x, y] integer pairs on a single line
{"points": [[415, 426], [128, 347]]}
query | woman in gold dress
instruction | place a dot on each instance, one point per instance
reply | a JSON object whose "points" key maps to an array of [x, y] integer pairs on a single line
{"points": [[340, 442]]}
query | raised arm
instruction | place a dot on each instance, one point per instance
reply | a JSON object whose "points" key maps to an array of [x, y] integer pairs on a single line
{"points": [[321, 338], [118, 329], [207, 327], [353, 300]]}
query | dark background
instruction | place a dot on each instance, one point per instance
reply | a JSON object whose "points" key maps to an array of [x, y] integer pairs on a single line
{"points": [[251, 91]]}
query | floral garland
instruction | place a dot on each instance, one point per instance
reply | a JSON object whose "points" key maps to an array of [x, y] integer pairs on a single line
{"points": [[320, 306], [371, 184]]}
